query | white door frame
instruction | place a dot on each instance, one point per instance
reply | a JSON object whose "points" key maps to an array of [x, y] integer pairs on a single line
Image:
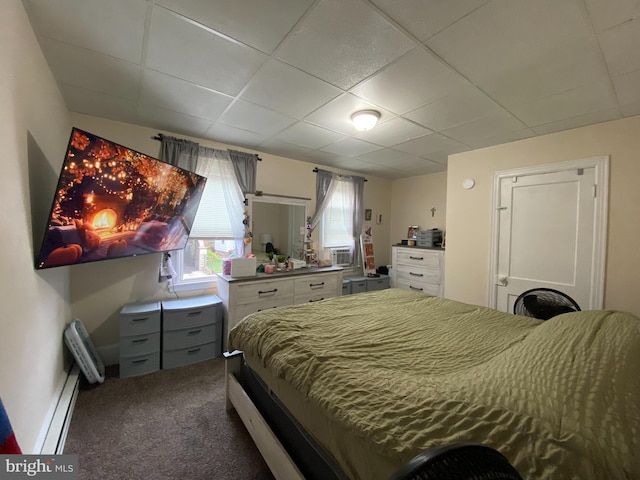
{"points": [[601, 165]]}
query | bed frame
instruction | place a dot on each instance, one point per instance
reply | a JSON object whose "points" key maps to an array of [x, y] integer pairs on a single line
{"points": [[289, 451]]}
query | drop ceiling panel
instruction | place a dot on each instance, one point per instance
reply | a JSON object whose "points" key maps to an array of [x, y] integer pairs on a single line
{"points": [[396, 130], [86, 69], [615, 44], [577, 121], [472, 133], [173, 121], [282, 87], [415, 79], [434, 146], [350, 147], [336, 115], [608, 13], [309, 136], [170, 93], [386, 156], [252, 117], [114, 28], [349, 42], [627, 87], [183, 49], [85, 101], [233, 136], [245, 21]]}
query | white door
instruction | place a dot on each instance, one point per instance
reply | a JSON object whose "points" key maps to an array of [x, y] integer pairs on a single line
{"points": [[547, 236]]}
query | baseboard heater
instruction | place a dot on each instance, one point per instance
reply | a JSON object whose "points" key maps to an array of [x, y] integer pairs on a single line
{"points": [[59, 426]]}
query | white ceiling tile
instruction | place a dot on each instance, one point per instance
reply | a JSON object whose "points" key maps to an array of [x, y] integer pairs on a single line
{"points": [[183, 49], [336, 115], [282, 148], [85, 101], [627, 87], [433, 146], [577, 121], [415, 79], [572, 103], [233, 136], [631, 109], [471, 133], [381, 171], [465, 105], [309, 136], [94, 71], [350, 147], [114, 28], [385, 156], [349, 41], [351, 164], [506, 34], [170, 93], [173, 121], [289, 90], [246, 20], [396, 130], [501, 138], [608, 13], [424, 19], [254, 118], [620, 47]]}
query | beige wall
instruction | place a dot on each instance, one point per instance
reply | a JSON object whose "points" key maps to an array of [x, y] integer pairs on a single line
{"points": [[412, 200], [99, 290], [35, 304], [469, 215]]}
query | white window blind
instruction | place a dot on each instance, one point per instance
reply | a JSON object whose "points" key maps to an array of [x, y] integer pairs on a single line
{"points": [[337, 221]]}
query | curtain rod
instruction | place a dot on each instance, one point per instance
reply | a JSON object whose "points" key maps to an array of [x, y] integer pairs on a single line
{"points": [[160, 136], [315, 170]]}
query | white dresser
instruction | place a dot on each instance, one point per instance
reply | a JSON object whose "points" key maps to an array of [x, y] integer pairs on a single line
{"points": [[419, 269], [242, 296]]}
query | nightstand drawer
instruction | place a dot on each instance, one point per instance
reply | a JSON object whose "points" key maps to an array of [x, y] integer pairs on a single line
{"points": [[140, 318], [175, 339], [316, 284], [194, 354], [134, 345], [190, 312], [140, 365]]}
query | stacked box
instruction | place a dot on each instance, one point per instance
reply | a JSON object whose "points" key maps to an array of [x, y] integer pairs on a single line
{"points": [[429, 238]]}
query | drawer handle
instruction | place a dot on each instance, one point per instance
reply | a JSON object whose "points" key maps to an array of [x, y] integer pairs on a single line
{"points": [[143, 319], [193, 314], [260, 292], [140, 340], [416, 258], [194, 332], [316, 300], [416, 288], [194, 350], [140, 361], [416, 274], [316, 284]]}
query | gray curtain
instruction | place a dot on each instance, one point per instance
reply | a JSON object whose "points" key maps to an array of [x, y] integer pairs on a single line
{"points": [[245, 165], [179, 152], [323, 184], [358, 213]]}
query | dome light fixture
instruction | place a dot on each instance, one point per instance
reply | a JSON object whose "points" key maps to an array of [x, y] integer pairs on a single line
{"points": [[365, 119]]}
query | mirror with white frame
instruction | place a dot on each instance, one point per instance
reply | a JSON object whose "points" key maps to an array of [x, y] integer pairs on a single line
{"points": [[280, 221]]}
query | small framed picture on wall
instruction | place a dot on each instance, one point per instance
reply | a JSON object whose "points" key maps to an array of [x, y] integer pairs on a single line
{"points": [[367, 215]]}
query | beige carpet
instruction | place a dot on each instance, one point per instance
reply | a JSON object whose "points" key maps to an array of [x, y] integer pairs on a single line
{"points": [[171, 424]]}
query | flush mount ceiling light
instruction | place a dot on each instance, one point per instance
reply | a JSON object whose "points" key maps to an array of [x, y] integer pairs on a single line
{"points": [[365, 119]]}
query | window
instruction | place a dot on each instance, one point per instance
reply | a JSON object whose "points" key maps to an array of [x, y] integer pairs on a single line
{"points": [[337, 219], [217, 231]]}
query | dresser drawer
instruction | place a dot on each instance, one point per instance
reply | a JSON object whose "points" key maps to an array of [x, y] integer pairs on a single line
{"points": [[422, 258], [266, 290], [175, 339], [417, 274], [139, 344], [249, 308], [422, 287], [139, 365], [139, 319], [313, 297], [189, 355], [190, 312], [316, 284]]}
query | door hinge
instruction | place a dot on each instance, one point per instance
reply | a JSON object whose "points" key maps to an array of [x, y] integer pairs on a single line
{"points": [[501, 208]]}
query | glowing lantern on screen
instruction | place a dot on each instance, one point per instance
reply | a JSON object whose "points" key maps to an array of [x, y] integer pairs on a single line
{"points": [[105, 218]]}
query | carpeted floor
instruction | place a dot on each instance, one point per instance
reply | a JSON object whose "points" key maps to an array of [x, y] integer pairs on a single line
{"points": [[168, 425]]}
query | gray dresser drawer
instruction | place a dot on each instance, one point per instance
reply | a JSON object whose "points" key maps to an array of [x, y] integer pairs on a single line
{"points": [[139, 365], [131, 346], [190, 312], [175, 339], [189, 355], [140, 318]]}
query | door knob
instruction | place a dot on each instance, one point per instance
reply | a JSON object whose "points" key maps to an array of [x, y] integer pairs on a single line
{"points": [[503, 280]]}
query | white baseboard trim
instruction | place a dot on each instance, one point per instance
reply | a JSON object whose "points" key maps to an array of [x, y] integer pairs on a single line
{"points": [[110, 354], [58, 426]]}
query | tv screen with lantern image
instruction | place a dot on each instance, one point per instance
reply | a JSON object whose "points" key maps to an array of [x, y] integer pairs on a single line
{"points": [[113, 202]]}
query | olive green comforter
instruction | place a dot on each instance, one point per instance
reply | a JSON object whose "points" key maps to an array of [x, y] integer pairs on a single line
{"points": [[380, 377]]}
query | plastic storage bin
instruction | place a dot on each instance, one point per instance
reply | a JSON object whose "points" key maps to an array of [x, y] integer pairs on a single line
{"points": [[358, 284], [378, 283], [346, 286]]}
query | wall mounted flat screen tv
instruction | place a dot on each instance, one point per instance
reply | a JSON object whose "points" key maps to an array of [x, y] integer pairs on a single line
{"points": [[114, 202]]}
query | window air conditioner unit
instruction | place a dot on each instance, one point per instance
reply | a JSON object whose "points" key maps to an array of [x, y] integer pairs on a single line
{"points": [[341, 256]]}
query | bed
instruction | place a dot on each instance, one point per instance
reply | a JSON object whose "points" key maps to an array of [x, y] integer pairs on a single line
{"points": [[373, 379]]}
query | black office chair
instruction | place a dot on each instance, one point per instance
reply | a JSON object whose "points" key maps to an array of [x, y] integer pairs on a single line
{"points": [[544, 303], [458, 462]]}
